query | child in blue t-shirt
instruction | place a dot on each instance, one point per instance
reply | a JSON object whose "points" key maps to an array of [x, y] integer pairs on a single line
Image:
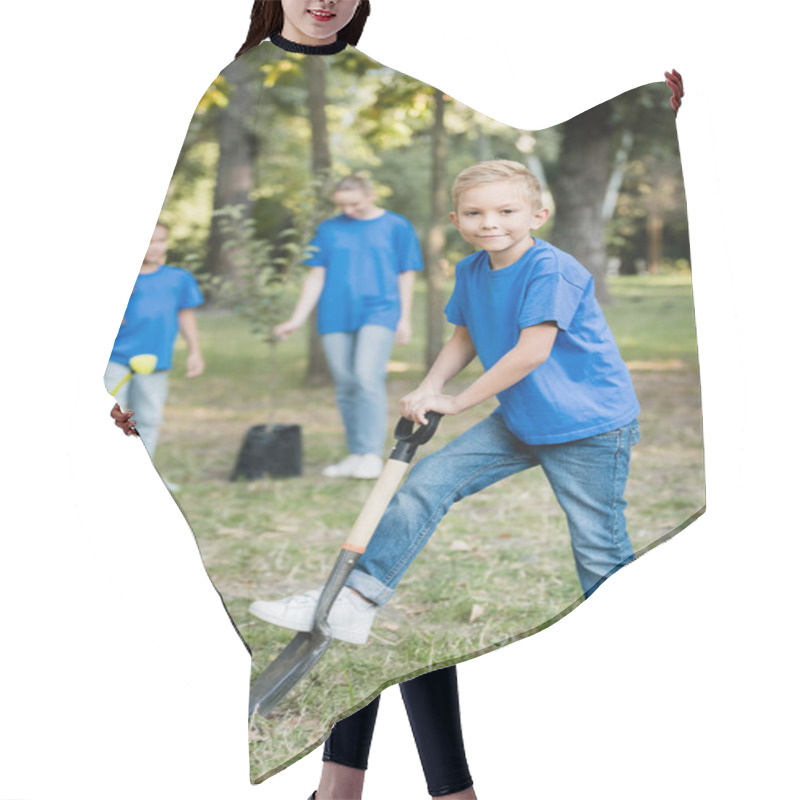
{"points": [[566, 401], [161, 305], [362, 276]]}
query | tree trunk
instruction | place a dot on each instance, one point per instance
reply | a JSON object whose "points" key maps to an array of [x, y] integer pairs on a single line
{"points": [[617, 176], [655, 242], [434, 305], [235, 169], [580, 189], [317, 373]]}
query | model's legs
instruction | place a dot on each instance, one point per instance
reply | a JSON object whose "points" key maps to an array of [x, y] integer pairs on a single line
{"points": [[147, 397], [433, 711], [589, 478], [346, 754], [483, 455], [339, 349], [351, 737], [431, 702], [372, 350]]}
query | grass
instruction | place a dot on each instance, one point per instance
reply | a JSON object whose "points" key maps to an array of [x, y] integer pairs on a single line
{"points": [[498, 568]]}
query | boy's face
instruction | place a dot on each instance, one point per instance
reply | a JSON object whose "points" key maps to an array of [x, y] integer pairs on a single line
{"points": [[354, 203], [157, 249], [316, 21], [498, 217]]}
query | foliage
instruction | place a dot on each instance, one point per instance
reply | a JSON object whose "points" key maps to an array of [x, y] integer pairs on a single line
{"points": [[379, 123], [281, 68], [265, 269], [651, 207]]}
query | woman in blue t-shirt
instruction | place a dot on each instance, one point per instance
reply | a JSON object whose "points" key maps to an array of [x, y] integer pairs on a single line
{"points": [[361, 277]]}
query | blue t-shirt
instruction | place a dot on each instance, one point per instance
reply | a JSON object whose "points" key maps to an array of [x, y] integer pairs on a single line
{"points": [[363, 259], [150, 324], [584, 387]]}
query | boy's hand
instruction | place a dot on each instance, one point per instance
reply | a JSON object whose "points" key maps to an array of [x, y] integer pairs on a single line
{"points": [[283, 330], [403, 333], [415, 406], [195, 365], [124, 420]]}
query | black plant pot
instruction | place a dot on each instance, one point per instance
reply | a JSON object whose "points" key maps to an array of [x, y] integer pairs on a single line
{"points": [[274, 450]]}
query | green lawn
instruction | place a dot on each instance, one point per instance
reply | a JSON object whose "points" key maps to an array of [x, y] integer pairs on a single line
{"points": [[498, 568]]}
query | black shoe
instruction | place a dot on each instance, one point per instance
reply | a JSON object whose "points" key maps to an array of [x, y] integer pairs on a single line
{"points": [[313, 796]]}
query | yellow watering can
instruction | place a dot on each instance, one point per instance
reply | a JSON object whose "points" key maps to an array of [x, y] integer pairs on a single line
{"points": [[142, 364]]}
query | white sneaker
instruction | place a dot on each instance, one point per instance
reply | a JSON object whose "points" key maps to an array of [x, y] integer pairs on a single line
{"points": [[370, 465], [350, 617], [344, 469]]}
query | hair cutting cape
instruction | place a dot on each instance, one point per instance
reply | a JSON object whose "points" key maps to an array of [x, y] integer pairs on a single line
{"points": [[269, 138]]}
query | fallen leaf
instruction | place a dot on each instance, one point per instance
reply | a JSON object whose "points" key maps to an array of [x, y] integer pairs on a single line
{"points": [[233, 532], [476, 613]]}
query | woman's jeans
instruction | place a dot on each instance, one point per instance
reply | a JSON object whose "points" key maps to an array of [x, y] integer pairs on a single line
{"points": [[588, 478], [432, 705], [358, 362]]}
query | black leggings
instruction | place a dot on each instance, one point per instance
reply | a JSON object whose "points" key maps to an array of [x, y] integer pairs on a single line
{"points": [[432, 706]]}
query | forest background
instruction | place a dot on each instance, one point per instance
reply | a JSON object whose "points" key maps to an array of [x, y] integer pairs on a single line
{"points": [[275, 130]]}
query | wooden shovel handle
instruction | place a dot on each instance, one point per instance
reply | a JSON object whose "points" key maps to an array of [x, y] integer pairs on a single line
{"points": [[389, 480], [382, 492]]}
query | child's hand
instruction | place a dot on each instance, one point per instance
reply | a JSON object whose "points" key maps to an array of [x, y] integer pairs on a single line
{"points": [[416, 405], [403, 333], [124, 420], [283, 330], [194, 365]]}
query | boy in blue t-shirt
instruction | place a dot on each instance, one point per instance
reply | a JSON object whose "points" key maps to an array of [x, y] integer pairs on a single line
{"points": [[566, 401], [161, 305]]}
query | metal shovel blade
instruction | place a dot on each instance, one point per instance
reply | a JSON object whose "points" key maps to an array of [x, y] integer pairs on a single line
{"points": [[278, 679], [303, 652]]}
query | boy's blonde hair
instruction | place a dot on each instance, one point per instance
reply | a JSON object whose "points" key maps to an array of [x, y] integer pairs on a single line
{"points": [[354, 183], [498, 170]]}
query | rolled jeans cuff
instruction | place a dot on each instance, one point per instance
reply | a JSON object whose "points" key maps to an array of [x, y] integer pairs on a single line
{"points": [[370, 587]]}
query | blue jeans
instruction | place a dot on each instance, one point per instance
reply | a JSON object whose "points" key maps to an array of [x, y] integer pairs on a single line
{"points": [[358, 360], [145, 395], [588, 477]]}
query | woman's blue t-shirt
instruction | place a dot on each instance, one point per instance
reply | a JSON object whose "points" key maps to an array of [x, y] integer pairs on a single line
{"points": [[584, 387], [150, 324], [363, 259]]}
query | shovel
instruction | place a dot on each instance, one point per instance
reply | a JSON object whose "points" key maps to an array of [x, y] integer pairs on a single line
{"points": [[303, 652]]}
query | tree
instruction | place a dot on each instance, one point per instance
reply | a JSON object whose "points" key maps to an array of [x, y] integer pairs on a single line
{"points": [[435, 241], [317, 373], [238, 147], [650, 222], [264, 268], [613, 157], [579, 189]]}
